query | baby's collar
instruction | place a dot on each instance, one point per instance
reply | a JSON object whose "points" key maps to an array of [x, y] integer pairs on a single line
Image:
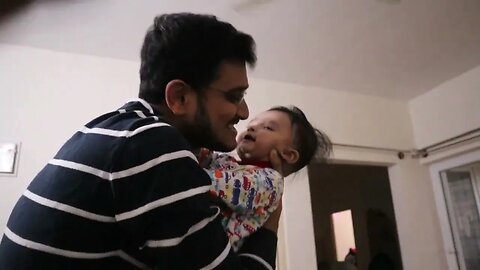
{"points": [[261, 164]]}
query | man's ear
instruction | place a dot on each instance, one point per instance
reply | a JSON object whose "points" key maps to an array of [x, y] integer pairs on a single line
{"points": [[179, 97], [290, 155]]}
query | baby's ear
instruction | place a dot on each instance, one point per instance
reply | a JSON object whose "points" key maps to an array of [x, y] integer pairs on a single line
{"points": [[290, 155]]}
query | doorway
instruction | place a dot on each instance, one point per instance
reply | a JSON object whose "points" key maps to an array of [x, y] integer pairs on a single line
{"points": [[363, 193]]}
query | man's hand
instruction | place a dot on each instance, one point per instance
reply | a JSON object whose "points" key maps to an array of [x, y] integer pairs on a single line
{"points": [[276, 161], [272, 222]]}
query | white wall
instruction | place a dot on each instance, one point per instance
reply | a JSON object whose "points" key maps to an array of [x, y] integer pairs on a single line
{"points": [[447, 110], [48, 95], [346, 117], [417, 221]]}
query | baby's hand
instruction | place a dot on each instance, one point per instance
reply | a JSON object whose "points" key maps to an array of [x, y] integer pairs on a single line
{"points": [[204, 157]]}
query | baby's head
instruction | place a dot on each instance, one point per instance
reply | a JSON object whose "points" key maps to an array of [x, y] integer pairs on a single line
{"points": [[288, 131]]}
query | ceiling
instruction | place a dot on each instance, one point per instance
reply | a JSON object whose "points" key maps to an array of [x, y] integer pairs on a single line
{"points": [[390, 48]]}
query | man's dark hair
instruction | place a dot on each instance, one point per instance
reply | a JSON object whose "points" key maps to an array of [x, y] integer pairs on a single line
{"points": [[189, 47], [310, 142]]}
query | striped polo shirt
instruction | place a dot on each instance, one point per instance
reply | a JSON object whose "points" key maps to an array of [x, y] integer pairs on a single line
{"points": [[125, 192]]}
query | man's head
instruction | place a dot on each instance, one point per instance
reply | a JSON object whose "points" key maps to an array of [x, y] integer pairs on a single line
{"points": [[288, 131], [193, 70]]}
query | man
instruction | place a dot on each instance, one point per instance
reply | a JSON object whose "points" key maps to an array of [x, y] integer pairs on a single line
{"points": [[126, 192]]}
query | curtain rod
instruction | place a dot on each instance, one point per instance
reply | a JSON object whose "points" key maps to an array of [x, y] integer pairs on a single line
{"points": [[423, 152], [444, 143], [400, 152], [386, 149]]}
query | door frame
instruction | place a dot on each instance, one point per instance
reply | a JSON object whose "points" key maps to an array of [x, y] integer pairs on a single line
{"points": [[440, 201]]}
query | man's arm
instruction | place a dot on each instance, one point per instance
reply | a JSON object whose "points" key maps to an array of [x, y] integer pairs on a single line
{"points": [[164, 210]]}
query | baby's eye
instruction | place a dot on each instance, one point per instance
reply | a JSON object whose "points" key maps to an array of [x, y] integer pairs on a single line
{"points": [[268, 128]]}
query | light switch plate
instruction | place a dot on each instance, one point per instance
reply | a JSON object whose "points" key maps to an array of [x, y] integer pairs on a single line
{"points": [[8, 158]]}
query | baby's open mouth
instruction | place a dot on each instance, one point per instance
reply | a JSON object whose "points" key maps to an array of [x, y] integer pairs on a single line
{"points": [[249, 137]]}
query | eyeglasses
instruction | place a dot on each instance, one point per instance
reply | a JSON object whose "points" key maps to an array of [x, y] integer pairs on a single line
{"points": [[235, 96]]}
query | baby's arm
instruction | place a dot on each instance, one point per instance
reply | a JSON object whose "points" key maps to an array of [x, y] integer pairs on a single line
{"points": [[262, 199], [252, 193]]}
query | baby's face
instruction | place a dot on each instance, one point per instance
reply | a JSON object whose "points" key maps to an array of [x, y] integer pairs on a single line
{"points": [[268, 130]]}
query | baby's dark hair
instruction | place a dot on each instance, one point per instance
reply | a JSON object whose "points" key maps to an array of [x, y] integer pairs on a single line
{"points": [[310, 142]]}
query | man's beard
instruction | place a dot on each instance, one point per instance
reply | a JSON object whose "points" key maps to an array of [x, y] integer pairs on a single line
{"points": [[200, 132]]}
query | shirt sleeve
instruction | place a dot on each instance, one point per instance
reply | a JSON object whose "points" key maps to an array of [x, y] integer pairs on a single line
{"points": [[251, 192], [163, 208]]}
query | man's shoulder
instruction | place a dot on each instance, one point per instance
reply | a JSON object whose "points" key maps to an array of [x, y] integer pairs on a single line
{"points": [[135, 129], [134, 118]]}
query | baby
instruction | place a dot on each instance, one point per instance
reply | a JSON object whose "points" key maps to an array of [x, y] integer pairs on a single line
{"points": [[250, 188]]}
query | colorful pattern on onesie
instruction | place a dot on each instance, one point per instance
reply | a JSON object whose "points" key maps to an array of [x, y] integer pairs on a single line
{"points": [[251, 192]]}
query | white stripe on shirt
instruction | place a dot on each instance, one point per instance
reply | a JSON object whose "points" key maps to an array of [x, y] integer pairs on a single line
{"points": [[80, 167], [121, 133], [67, 208], [140, 113], [258, 259], [143, 102], [152, 163], [175, 241], [125, 173], [71, 254], [219, 259], [161, 202]]}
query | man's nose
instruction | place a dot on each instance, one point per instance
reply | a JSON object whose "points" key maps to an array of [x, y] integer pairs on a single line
{"points": [[242, 111]]}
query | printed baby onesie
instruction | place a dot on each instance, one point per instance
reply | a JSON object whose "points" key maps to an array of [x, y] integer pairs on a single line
{"points": [[251, 191]]}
